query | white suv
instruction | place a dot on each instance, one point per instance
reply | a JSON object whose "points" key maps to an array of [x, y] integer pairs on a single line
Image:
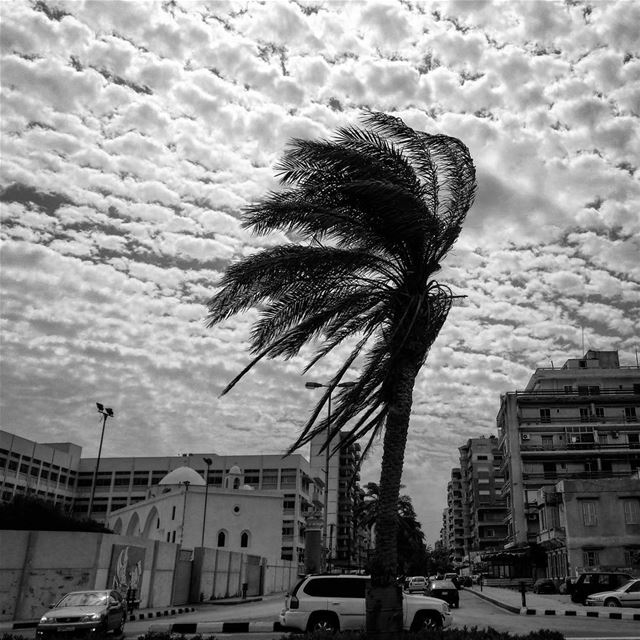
{"points": [[337, 602]]}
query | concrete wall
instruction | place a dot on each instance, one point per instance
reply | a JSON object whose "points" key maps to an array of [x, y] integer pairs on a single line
{"points": [[218, 573], [38, 567]]}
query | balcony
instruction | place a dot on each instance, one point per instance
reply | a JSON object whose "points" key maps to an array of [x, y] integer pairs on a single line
{"points": [[546, 450], [550, 537], [549, 478], [603, 391]]}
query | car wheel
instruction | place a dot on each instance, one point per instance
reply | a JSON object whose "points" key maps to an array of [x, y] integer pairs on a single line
{"points": [[323, 622], [426, 621], [611, 602]]}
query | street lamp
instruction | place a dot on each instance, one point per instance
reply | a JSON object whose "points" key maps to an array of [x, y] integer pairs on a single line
{"points": [[208, 462], [106, 413], [317, 385]]}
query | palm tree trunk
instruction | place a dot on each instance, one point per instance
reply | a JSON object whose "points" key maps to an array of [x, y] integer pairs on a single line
{"points": [[384, 599]]}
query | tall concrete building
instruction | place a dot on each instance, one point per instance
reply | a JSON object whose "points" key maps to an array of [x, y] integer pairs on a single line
{"points": [[483, 505], [345, 540], [452, 534], [575, 422]]}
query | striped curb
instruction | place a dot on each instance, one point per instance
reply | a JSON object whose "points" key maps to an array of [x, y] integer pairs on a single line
{"points": [[132, 617], [159, 614], [216, 627], [606, 615]]}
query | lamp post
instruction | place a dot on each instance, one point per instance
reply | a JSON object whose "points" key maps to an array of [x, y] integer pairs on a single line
{"points": [[208, 462], [317, 385], [106, 413]]}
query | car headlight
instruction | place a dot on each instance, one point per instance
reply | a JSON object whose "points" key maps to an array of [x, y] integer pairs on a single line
{"points": [[90, 617], [44, 620], [445, 607]]}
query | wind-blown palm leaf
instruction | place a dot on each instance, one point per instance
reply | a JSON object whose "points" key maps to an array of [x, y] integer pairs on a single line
{"points": [[371, 214]]}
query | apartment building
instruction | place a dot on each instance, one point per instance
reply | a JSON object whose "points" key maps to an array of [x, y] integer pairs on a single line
{"points": [[346, 541], [452, 534], [575, 422], [483, 505]]}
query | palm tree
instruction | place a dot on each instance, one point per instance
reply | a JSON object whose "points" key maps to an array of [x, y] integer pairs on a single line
{"points": [[371, 213], [410, 544]]}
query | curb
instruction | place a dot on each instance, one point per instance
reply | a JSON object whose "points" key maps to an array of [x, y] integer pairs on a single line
{"points": [[527, 611], [216, 627], [159, 614], [623, 615], [132, 617]]}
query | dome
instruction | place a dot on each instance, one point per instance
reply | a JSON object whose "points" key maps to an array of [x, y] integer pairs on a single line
{"points": [[235, 470], [182, 475]]}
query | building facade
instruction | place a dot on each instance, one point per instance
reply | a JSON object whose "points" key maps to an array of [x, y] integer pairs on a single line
{"points": [[452, 534], [590, 525], [346, 541], [576, 422], [483, 505]]}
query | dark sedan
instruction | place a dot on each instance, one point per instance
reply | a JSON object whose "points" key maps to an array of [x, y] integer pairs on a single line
{"points": [[84, 613], [444, 590], [544, 585]]}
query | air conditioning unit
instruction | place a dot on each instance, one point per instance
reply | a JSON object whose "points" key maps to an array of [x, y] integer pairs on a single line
{"points": [[525, 436]]}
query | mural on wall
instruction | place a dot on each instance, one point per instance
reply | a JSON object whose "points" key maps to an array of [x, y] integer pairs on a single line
{"points": [[125, 571]]}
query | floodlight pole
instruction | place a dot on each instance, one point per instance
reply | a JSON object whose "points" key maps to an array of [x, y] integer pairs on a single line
{"points": [[106, 413], [208, 462]]}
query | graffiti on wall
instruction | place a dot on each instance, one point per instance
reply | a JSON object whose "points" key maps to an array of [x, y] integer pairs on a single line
{"points": [[125, 570]]}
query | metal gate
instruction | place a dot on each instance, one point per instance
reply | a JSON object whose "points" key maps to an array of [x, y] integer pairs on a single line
{"points": [[254, 576]]}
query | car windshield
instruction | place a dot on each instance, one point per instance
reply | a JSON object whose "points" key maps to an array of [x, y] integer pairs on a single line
{"points": [[626, 585], [83, 600]]}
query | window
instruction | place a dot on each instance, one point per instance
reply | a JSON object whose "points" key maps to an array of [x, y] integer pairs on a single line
{"points": [[173, 513], [252, 477], [288, 478], [568, 388], [270, 479], [222, 538], [599, 412], [584, 415], [590, 558], [630, 414], [244, 539], [547, 442], [631, 507], [589, 514], [545, 415], [483, 457], [287, 530]]}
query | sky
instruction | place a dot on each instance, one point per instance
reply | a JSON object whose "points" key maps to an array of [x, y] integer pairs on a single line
{"points": [[134, 133]]}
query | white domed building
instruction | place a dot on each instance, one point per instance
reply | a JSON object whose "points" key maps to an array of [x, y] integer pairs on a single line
{"points": [[236, 517]]}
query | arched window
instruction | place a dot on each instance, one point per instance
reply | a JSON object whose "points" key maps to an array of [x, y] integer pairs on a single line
{"points": [[222, 538], [236, 483], [244, 539]]}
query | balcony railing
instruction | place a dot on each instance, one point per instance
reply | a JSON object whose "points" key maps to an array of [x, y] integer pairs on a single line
{"points": [[603, 391], [578, 446], [572, 420], [573, 475]]}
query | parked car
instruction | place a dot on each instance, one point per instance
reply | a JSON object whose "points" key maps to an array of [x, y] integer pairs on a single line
{"points": [[628, 595], [84, 613], [454, 577], [416, 583], [544, 585], [445, 590], [337, 602], [597, 582]]}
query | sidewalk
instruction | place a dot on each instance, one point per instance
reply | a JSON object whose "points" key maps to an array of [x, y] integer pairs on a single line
{"points": [[549, 605]]}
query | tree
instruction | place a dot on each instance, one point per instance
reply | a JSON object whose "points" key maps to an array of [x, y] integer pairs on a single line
{"points": [[412, 550], [371, 213], [30, 513]]}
